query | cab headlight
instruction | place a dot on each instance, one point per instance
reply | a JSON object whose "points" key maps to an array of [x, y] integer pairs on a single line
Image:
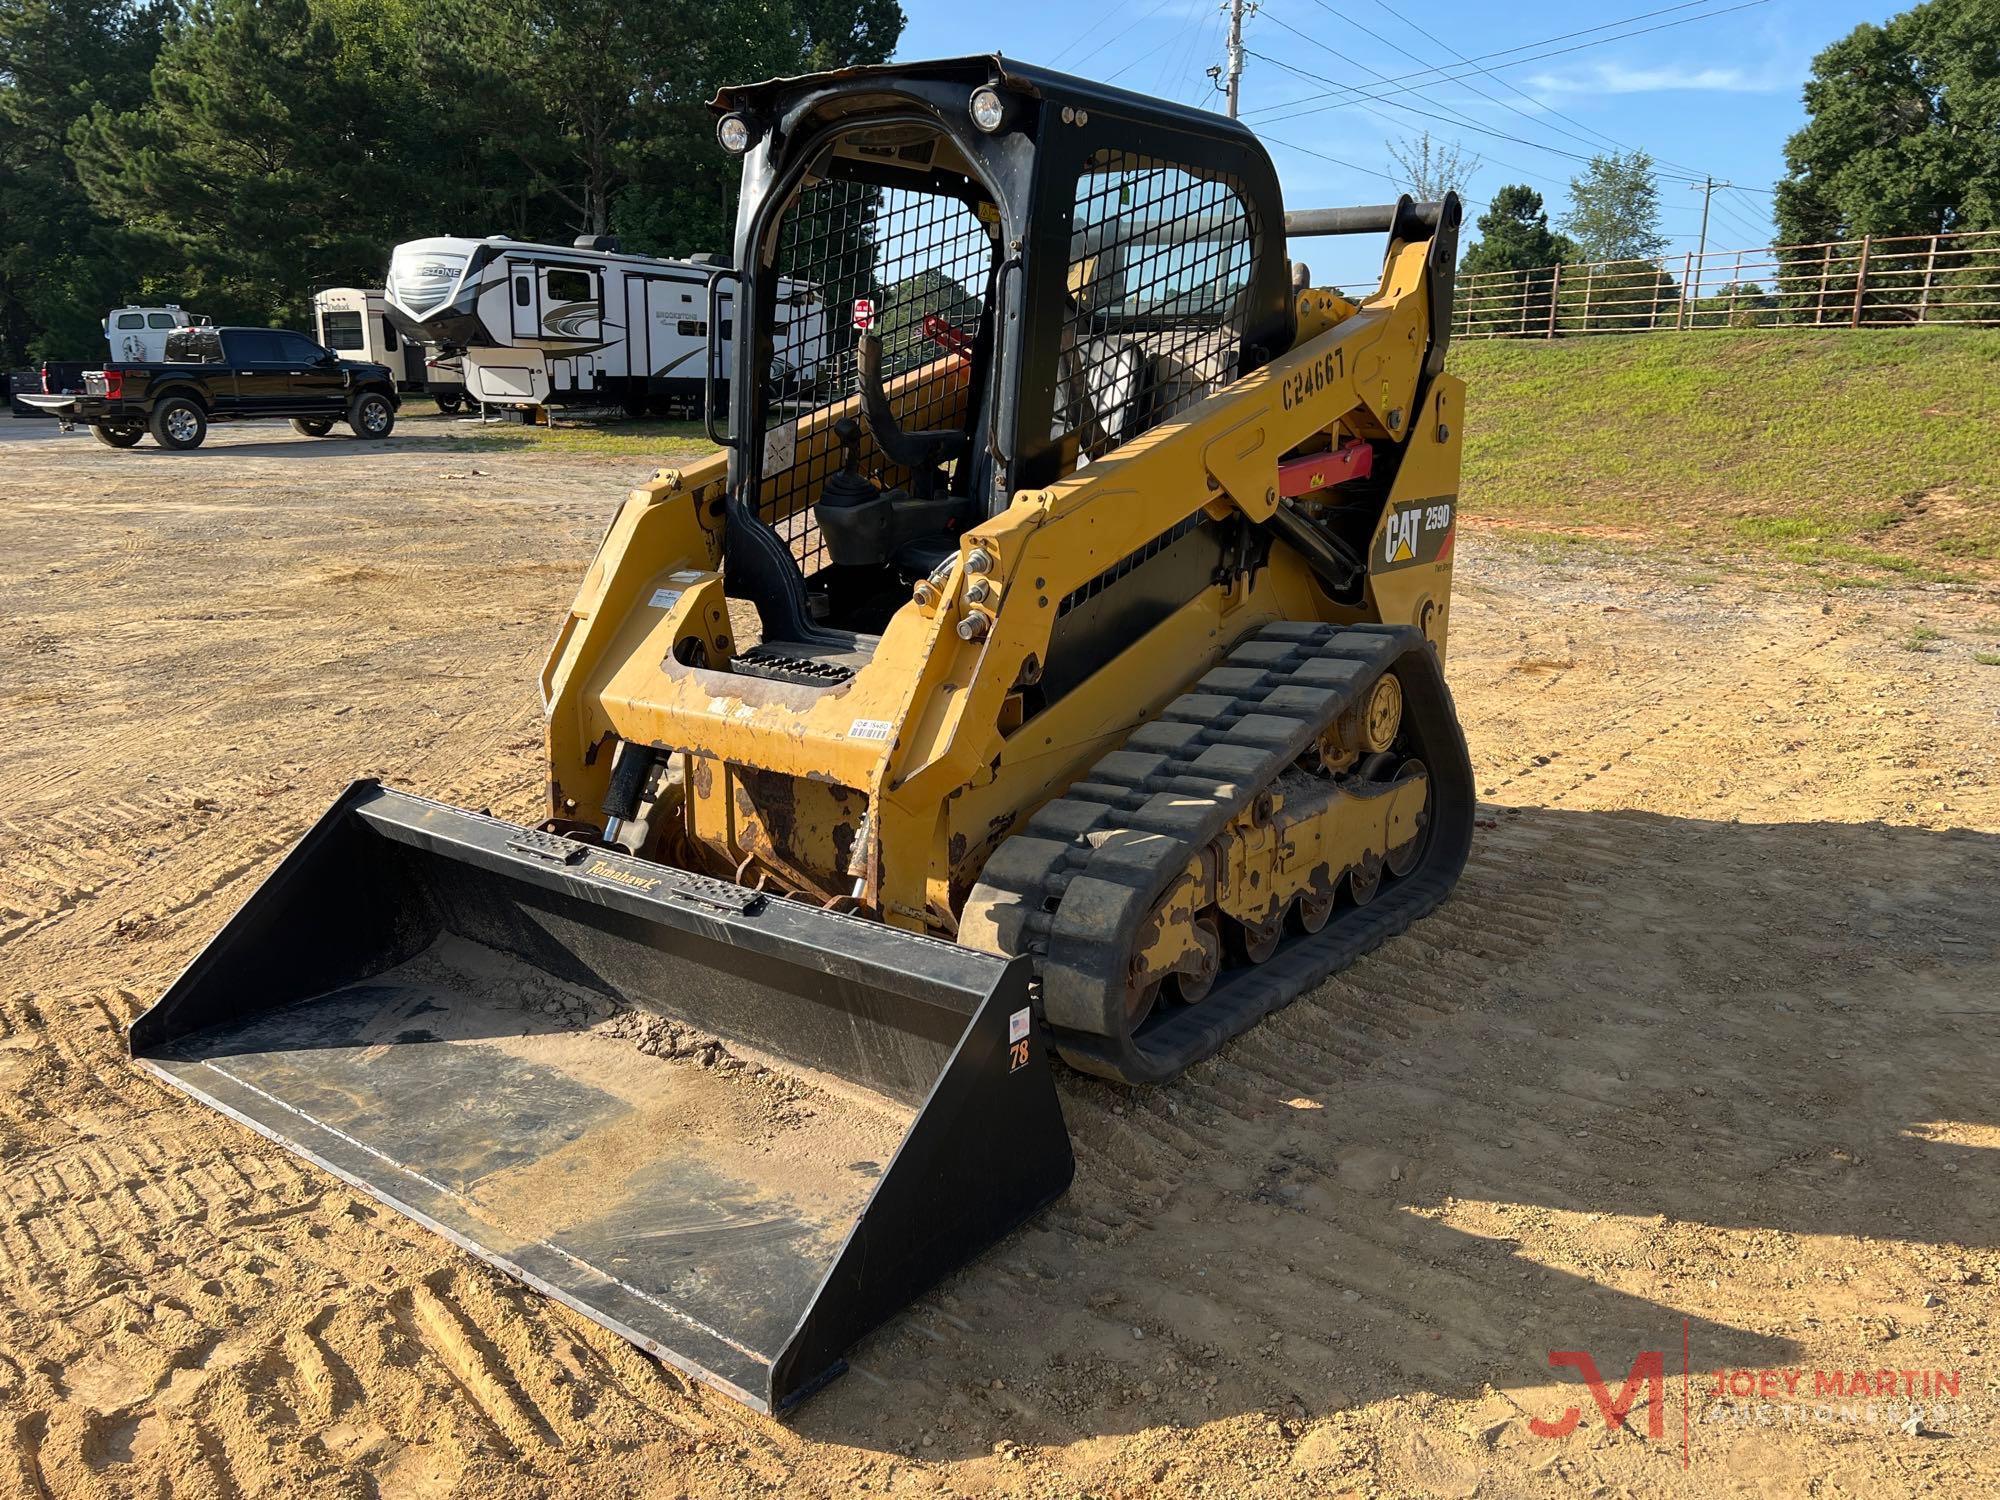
{"points": [[988, 109]]}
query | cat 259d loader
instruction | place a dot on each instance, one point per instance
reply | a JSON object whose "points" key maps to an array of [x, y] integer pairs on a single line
{"points": [[1050, 661]]}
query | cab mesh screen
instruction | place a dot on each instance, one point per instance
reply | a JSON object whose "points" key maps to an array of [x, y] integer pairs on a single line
{"points": [[923, 261], [1159, 275]]}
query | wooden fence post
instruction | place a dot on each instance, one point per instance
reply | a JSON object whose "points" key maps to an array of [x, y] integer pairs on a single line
{"points": [[1589, 280], [1555, 291], [1683, 313], [1860, 281], [1825, 270]]}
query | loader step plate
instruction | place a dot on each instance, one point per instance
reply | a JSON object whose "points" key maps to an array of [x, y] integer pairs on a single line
{"points": [[738, 1132], [698, 1205]]}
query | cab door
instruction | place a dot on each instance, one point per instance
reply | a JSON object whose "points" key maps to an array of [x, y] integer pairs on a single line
{"points": [[263, 374], [316, 377]]}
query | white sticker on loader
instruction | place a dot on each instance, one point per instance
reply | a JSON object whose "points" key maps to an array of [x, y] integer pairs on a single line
{"points": [[666, 598], [1017, 1025], [870, 729], [781, 446]]}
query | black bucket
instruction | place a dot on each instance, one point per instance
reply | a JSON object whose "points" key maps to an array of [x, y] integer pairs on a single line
{"points": [[735, 1129]]}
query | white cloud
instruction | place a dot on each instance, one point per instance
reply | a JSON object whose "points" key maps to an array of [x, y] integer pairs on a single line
{"points": [[1617, 78]]}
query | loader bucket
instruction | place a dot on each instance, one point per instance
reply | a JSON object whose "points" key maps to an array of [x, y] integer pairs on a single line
{"points": [[736, 1129]]}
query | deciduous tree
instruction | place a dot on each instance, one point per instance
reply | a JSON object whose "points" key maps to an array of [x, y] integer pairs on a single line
{"points": [[1903, 129], [1614, 211]]}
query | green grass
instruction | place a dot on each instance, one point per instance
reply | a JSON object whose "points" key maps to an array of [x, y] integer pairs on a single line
{"points": [[669, 442], [1987, 658], [1870, 456], [1923, 638]]}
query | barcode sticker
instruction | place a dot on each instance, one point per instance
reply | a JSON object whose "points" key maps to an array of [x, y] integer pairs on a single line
{"points": [[870, 729]]}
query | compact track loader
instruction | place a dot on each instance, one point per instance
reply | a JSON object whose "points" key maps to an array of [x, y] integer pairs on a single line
{"points": [[1050, 661]]}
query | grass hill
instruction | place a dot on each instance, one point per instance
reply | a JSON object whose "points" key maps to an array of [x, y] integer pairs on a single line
{"points": [[1863, 456]]}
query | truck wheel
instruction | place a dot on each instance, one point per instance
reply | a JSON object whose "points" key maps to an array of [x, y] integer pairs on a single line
{"points": [[124, 435], [312, 426], [371, 415], [179, 423], [450, 404]]}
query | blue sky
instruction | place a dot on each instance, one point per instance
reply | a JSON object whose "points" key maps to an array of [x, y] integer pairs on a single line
{"points": [[1710, 86]]}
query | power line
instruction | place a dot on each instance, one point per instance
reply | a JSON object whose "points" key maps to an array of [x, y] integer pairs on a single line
{"points": [[1352, 166], [1516, 90], [1444, 75], [1361, 102], [1352, 24], [1168, 41], [1159, 6], [1455, 116], [1441, 73]]}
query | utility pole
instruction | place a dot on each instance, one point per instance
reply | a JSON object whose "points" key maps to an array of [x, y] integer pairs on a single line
{"points": [[1238, 9], [1707, 191]]}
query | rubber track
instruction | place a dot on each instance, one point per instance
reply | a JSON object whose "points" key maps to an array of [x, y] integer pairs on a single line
{"points": [[1072, 888]]}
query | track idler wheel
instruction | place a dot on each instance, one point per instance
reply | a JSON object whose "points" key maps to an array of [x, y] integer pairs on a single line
{"points": [[1405, 856]]}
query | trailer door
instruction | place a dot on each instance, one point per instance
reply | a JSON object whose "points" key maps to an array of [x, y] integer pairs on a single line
{"points": [[572, 303], [524, 297], [638, 328]]}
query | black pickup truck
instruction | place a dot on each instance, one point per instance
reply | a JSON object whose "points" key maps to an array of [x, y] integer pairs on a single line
{"points": [[228, 374]]}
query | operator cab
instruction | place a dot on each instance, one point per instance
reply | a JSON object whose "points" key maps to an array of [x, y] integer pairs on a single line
{"points": [[959, 280]]}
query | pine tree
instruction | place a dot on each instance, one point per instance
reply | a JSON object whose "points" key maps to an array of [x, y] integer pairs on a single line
{"points": [[258, 162], [61, 264]]}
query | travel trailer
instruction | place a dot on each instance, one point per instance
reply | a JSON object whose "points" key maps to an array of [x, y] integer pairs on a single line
{"points": [[353, 322], [138, 335], [577, 325]]}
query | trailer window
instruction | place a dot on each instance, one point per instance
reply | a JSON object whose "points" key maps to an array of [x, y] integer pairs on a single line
{"points": [[342, 330], [523, 292], [572, 286], [388, 334], [131, 320], [1159, 275], [161, 320]]}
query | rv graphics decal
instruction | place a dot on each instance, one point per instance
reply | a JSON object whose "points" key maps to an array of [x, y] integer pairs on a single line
{"points": [[571, 320], [424, 282]]}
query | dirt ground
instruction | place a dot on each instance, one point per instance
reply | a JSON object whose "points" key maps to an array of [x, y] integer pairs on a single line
{"points": [[1707, 1046]]}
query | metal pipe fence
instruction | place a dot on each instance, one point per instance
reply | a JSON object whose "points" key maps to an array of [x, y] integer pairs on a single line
{"points": [[1872, 282]]}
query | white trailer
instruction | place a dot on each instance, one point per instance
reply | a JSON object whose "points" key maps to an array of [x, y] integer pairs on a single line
{"points": [[138, 335], [354, 323], [576, 325]]}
